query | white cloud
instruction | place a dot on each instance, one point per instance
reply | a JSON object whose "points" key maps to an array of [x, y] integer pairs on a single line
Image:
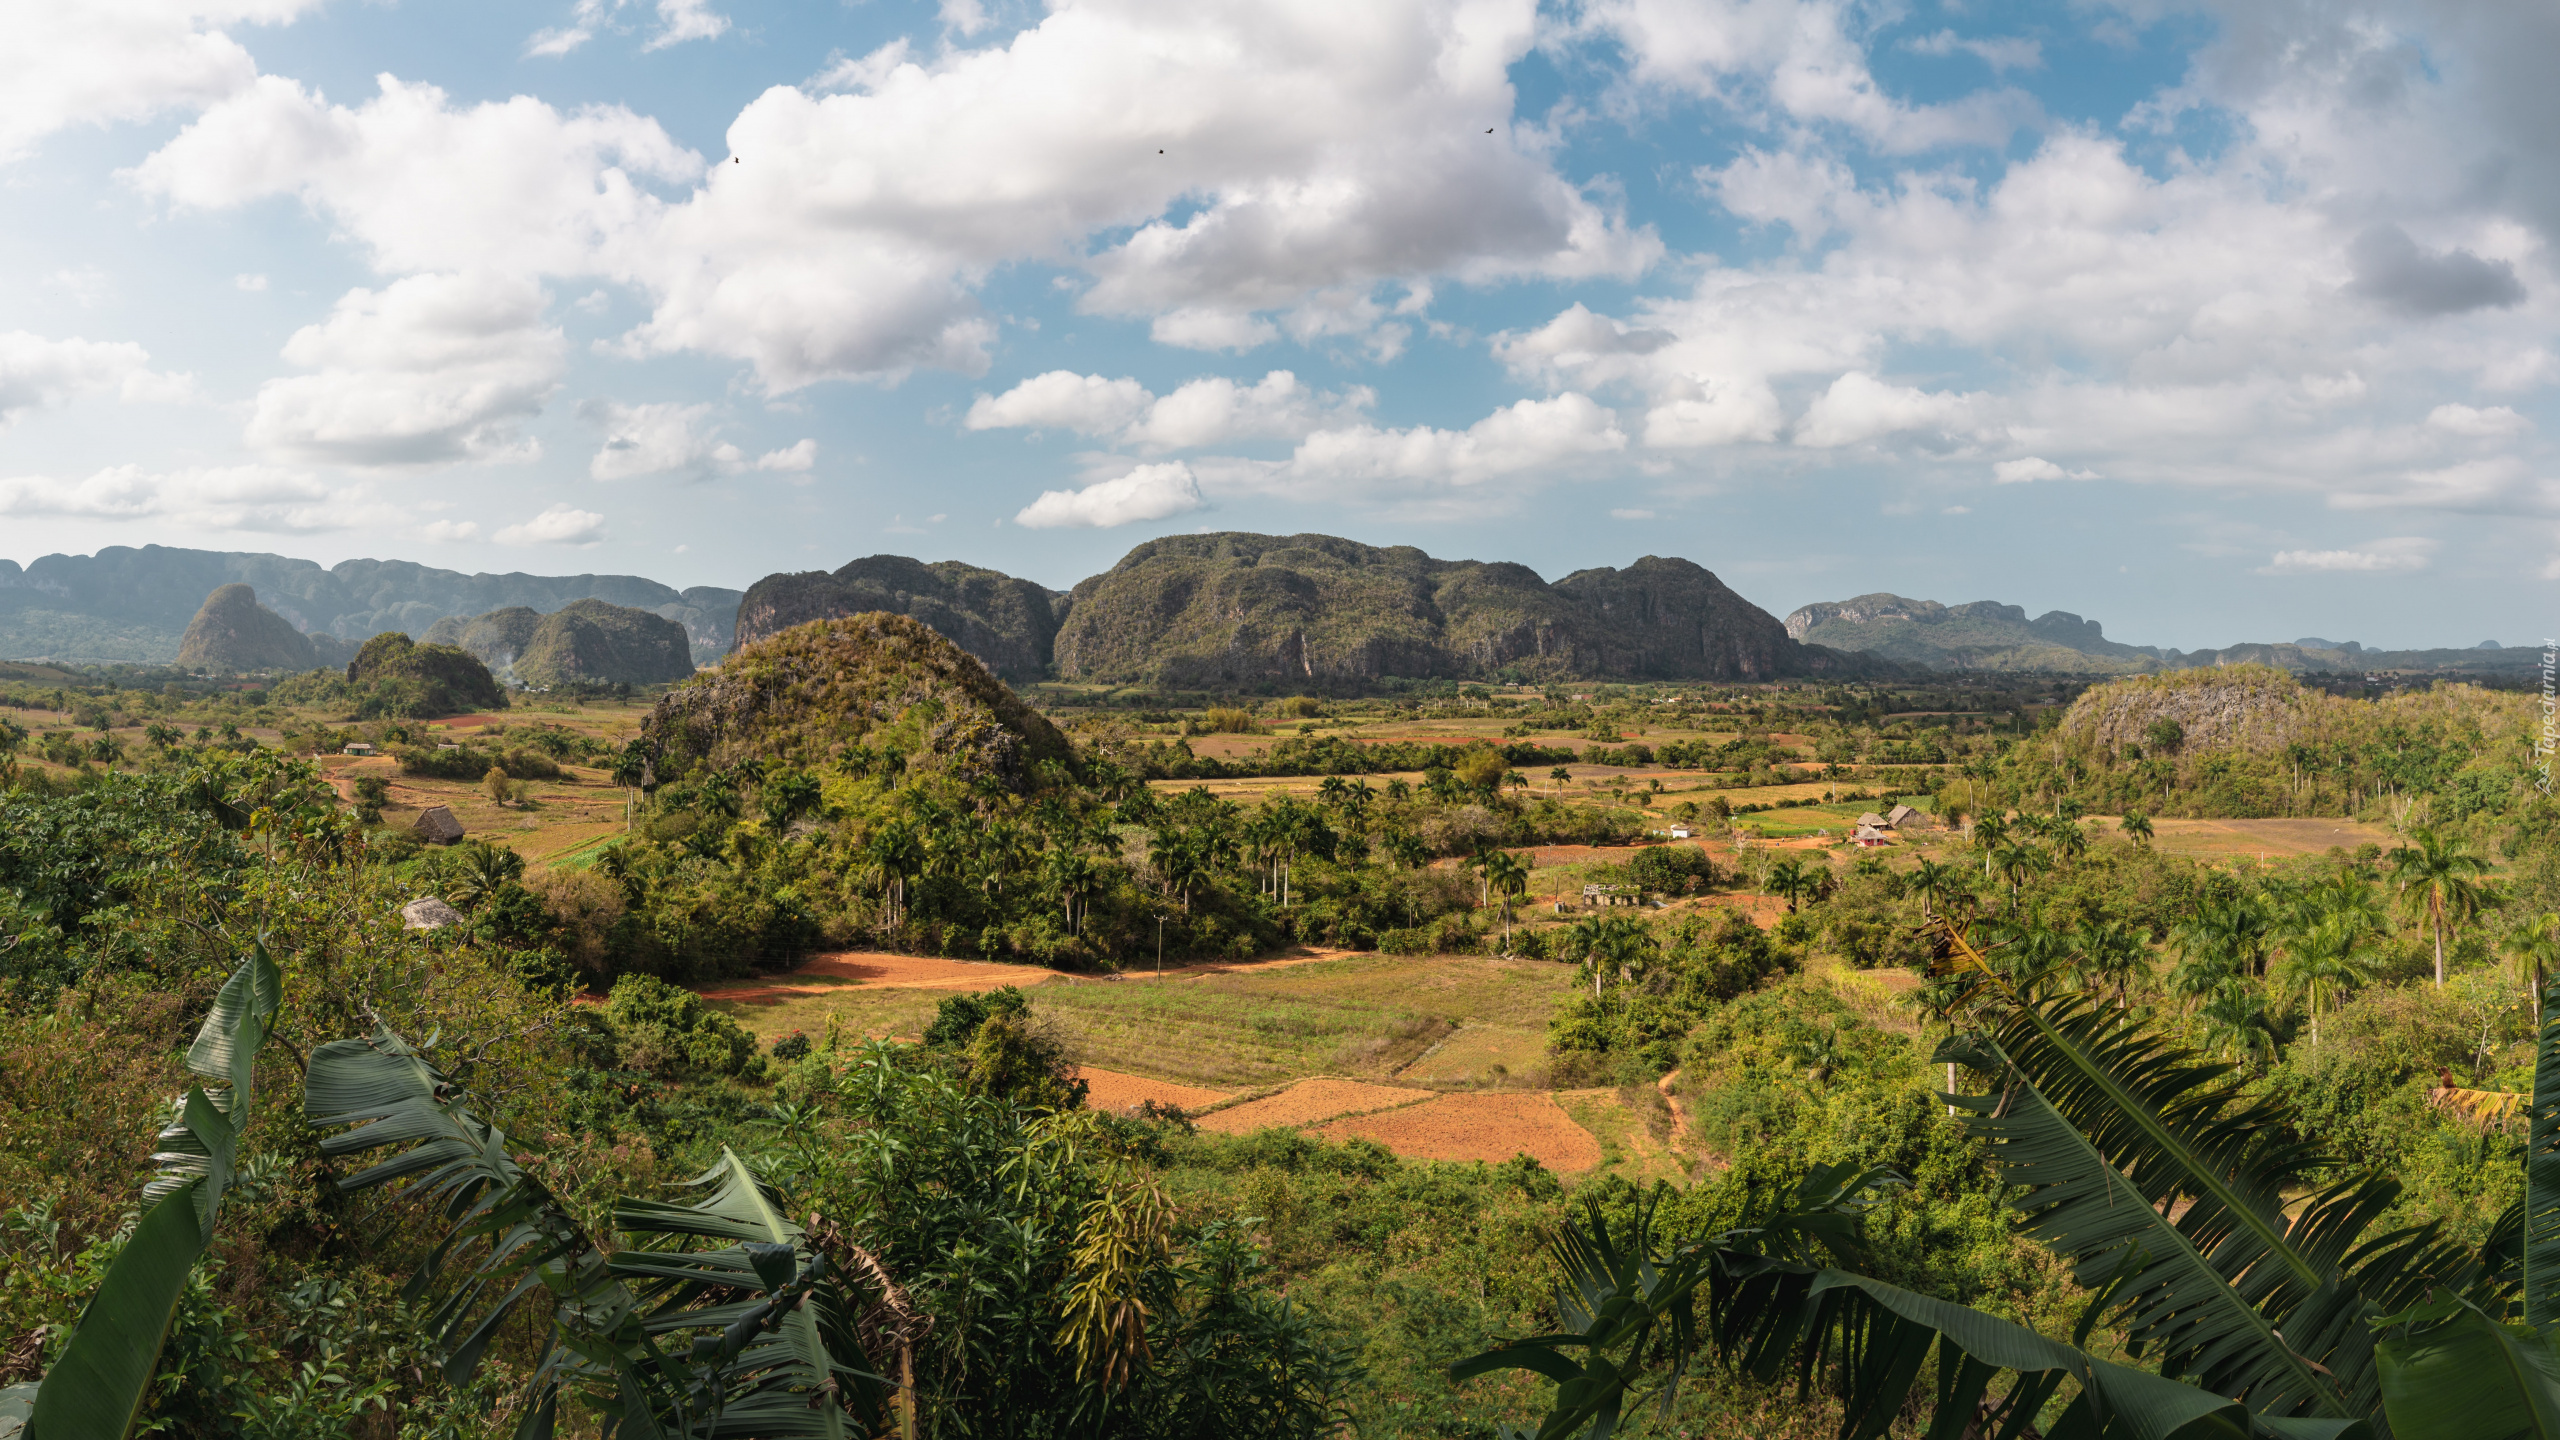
{"points": [[1859, 407], [1630, 514], [511, 186], [682, 20], [1062, 400], [1149, 492], [1795, 61], [2497, 422], [254, 498], [558, 525], [450, 531], [671, 439], [1533, 437], [2399, 555], [108, 61], [1212, 410], [41, 374], [2028, 468], [428, 369], [250, 283], [2001, 52], [82, 285]]}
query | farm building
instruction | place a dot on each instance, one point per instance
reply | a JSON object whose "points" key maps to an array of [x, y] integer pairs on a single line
{"points": [[1602, 895], [436, 825]]}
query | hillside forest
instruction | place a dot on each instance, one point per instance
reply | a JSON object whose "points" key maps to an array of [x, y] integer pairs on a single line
{"points": [[2086, 1097]]}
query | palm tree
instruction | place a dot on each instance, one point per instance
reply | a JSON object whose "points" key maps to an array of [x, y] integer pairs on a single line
{"points": [[1788, 879], [1989, 832], [894, 855], [2435, 876], [2070, 842], [1508, 876], [2321, 962], [1182, 862], [2136, 827], [2110, 955], [2534, 946], [1933, 883], [2017, 861], [2236, 1023], [1559, 775]]}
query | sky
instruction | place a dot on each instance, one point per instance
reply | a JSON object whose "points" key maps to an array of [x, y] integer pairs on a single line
{"points": [[2214, 322]]}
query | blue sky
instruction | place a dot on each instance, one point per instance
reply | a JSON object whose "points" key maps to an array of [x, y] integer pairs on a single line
{"points": [[2214, 323]]}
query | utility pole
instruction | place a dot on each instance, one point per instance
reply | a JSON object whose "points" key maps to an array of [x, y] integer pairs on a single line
{"points": [[1159, 944]]}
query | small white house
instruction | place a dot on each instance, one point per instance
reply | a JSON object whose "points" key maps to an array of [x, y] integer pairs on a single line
{"points": [[1679, 832], [358, 747]]}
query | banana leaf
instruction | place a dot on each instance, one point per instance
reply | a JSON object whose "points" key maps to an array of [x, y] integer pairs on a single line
{"points": [[96, 1389], [2112, 1131], [779, 1358], [2449, 1372]]}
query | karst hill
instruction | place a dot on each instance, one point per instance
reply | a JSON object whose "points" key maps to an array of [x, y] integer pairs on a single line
{"points": [[1236, 609]]}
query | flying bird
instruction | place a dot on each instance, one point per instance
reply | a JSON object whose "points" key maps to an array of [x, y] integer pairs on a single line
{"points": [[1488, 129]]}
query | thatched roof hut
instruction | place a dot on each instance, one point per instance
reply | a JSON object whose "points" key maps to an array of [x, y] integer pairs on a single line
{"points": [[429, 913], [436, 825]]}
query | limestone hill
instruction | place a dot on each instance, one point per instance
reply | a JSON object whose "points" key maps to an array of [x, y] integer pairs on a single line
{"points": [[401, 677], [584, 641], [868, 692], [1228, 609], [233, 634], [1983, 635], [1008, 623]]}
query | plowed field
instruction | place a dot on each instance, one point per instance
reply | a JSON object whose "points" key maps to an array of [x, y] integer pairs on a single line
{"points": [[1112, 1090], [1306, 1103], [1491, 1127]]}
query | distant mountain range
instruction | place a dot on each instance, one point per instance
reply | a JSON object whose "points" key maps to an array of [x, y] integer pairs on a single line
{"points": [[134, 605], [1988, 635], [1188, 611]]}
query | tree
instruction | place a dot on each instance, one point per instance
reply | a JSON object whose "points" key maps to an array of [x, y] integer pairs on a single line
{"points": [[1933, 882], [2136, 827], [2273, 1306], [1989, 832], [2017, 861], [2109, 955], [2323, 960], [2436, 877], [1508, 876], [1788, 879], [1559, 775], [2534, 948]]}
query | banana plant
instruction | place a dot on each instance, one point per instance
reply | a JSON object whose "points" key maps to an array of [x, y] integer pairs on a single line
{"points": [[753, 1337], [2269, 1302], [95, 1390]]}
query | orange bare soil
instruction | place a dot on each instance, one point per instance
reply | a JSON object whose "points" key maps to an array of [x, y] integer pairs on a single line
{"points": [[863, 969], [1491, 1126], [1307, 1102], [1112, 1090]]}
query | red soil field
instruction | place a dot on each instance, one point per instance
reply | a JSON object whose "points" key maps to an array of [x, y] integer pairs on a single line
{"points": [[1307, 1102], [1112, 1090], [1491, 1126]]}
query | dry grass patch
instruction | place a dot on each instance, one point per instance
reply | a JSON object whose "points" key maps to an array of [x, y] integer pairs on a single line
{"points": [[1307, 1103], [1492, 1127]]}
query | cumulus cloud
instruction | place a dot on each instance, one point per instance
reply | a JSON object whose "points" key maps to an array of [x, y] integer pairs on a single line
{"points": [[450, 531], [1858, 407], [2028, 468], [41, 374], [2497, 422], [2398, 555], [558, 525], [254, 498], [1796, 60], [512, 186], [1533, 437], [1212, 410], [672, 439], [2392, 269], [1149, 492], [108, 61], [429, 369]]}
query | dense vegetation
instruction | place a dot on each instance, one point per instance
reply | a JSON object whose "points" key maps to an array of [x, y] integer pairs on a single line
{"points": [[1042, 1269]]}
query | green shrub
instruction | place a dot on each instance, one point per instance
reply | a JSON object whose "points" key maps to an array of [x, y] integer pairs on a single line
{"points": [[667, 1030]]}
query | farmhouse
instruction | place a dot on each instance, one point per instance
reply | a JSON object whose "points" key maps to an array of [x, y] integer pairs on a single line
{"points": [[1600, 895], [1901, 815], [436, 825]]}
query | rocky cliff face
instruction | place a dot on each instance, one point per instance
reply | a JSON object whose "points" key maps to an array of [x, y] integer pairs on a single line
{"points": [[2238, 706], [1008, 623], [1213, 610], [232, 633]]}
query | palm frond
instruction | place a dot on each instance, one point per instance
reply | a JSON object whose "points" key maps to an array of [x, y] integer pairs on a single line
{"points": [[749, 1338], [2541, 1218]]}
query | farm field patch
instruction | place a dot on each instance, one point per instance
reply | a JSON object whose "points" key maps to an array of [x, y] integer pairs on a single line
{"points": [[1309, 1102], [1491, 1126]]}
